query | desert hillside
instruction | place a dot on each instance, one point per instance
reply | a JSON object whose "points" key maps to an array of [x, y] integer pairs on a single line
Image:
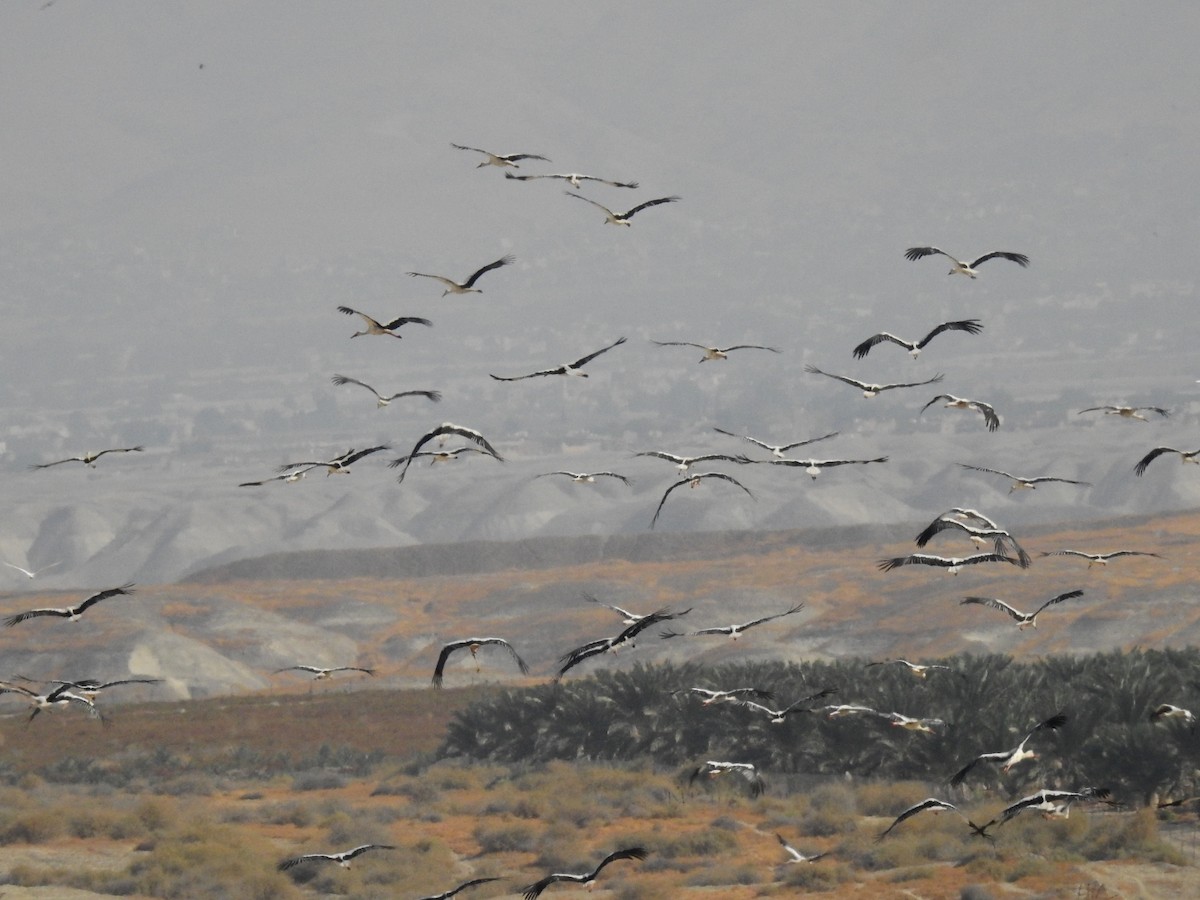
{"points": [[225, 630]]}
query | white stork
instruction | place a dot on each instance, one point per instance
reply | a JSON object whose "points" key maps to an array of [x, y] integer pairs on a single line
{"points": [[468, 286], [339, 465], [320, 673], [60, 696], [573, 178], [473, 644], [33, 573], [733, 695], [979, 534], [572, 368], [1127, 412], [612, 218], [869, 389], [1100, 559], [1009, 758], [445, 895], [382, 401], [71, 613], [914, 348], [712, 353], [1053, 803], [714, 768], [500, 159], [1167, 711], [937, 806], [445, 428], [693, 481], [290, 477], [683, 463], [374, 326], [587, 477], [989, 414], [732, 630], [777, 716], [814, 466], [88, 459], [586, 878], [918, 669], [795, 855], [1185, 456], [952, 564], [776, 450], [342, 859], [1023, 620], [966, 268], [1021, 482], [572, 658]]}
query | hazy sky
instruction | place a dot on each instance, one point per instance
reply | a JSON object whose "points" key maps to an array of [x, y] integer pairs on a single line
{"points": [[188, 191]]}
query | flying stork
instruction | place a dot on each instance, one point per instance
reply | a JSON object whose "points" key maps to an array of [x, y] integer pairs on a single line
{"points": [[90, 688], [437, 456], [868, 389], [733, 695], [693, 481], [500, 159], [612, 218], [573, 178], [1009, 758], [1053, 803], [979, 534], [33, 573], [814, 466], [713, 352], [339, 465], [446, 428], [937, 806], [587, 878], [1020, 482], [320, 673], [88, 459], [60, 696], [1185, 456], [382, 401], [795, 855], [1167, 711], [914, 348], [732, 630], [627, 617], [918, 669], [72, 613], [804, 704], [776, 450], [342, 859], [290, 477], [587, 477], [683, 463], [951, 564], [446, 895], [473, 644], [714, 768], [573, 368], [989, 414], [572, 658], [376, 327], [1127, 412], [966, 268], [1099, 559], [468, 286], [1023, 619]]}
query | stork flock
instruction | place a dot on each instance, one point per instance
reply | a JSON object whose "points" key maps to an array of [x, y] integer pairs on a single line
{"points": [[958, 523]]}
